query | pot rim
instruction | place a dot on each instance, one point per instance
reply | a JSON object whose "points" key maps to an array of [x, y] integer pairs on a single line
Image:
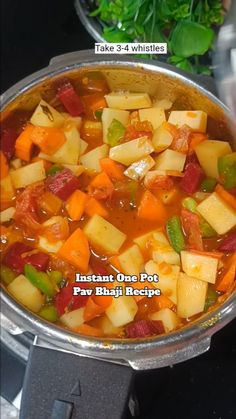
{"points": [[202, 328]]}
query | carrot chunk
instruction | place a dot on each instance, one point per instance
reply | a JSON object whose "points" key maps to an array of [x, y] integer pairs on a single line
{"points": [[92, 309], [226, 196], [227, 279], [76, 250], [112, 169], [101, 187], [24, 144], [4, 169], [49, 140], [50, 203], [76, 204], [93, 207], [152, 208]]}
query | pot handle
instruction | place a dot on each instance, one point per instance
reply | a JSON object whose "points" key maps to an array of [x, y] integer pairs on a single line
{"points": [[63, 385]]}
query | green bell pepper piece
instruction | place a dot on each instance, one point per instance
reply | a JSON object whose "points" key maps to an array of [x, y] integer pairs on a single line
{"points": [[175, 234], [115, 133], [98, 114], [208, 184], [6, 274], [54, 169], [227, 170], [40, 280], [211, 298], [55, 276], [190, 204], [49, 313]]}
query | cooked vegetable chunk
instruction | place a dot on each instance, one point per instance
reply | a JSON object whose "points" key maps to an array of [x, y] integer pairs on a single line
{"points": [[138, 169], [128, 100], [162, 138], [130, 152], [208, 153], [122, 311], [91, 160], [26, 175], [46, 116], [217, 213], [197, 120], [154, 115], [168, 276], [199, 266], [26, 293], [73, 319], [108, 115], [62, 184], [168, 318], [191, 296], [7, 214], [104, 235], [131, 261], [170, 160]]}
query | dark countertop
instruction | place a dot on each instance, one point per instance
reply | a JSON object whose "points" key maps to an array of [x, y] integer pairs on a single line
{"points": [[205, 387]]}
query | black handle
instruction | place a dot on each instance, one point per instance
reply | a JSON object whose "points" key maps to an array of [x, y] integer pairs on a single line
{"points": [[61, 385]]}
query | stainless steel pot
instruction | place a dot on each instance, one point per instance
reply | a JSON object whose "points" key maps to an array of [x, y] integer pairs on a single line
{"points": [[166, 82]]}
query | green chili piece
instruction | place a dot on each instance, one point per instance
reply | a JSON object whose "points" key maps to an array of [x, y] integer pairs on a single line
{"points": [[211, 298], [7, 275], [190, 204], [208, 184], [227, 170], [54, 169], [49, 313], [55, 276], [115, 133], [175, 234], [40, 280]]}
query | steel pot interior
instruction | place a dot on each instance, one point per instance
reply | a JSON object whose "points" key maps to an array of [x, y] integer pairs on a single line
{"points": [[163, 82]]}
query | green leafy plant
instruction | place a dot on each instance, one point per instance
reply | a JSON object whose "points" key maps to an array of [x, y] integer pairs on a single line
{"points": [[186, 25]]}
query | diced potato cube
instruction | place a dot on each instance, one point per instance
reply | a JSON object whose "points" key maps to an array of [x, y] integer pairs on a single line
{"points": [[121, 100], [69, 152], [91, 160], [122, 310], [107, 327], [162, 138], [26, 293], [44, 243], [162, 251], [208, 153], [108, 115], [7, 214], [197, 120], [139, 169], [83, 146], [74, 119], [162, 103], [217, 213], [7, 191], [168, 276], [16, 163], [154, 115], [28, 174], [46, 116], [131, 261], [169, 319], [199, 266], [77, 169], [191, 295], [128, 153], [73, 318], [170, 160], [144, 240], [103, 234]]}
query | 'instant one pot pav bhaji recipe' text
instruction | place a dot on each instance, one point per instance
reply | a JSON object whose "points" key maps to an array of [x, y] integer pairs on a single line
{"points": [[99, 182]]}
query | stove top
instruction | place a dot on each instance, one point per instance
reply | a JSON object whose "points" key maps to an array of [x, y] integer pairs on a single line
{"points": [[203, 387]]}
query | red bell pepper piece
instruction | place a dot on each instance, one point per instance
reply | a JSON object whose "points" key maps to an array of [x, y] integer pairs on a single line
{"points": [[16, 258], [144, 328], [8, 140], [70, 99], [65, 298], [191, 227], [229, 243], [63, 184], [193, 175]]}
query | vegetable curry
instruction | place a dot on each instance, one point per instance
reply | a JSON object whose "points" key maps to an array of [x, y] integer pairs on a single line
{"points": [[102, 182]]}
